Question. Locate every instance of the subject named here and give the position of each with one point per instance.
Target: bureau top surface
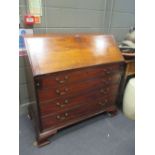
(59, 52)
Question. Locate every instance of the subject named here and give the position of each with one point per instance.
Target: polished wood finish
(88, 108)
(130, 69)
(69, 77)
(65, 103)
(45, 94)
(130, 64)
(63, 52)
(75, 77)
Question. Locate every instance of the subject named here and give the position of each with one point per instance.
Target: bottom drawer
(62, 118)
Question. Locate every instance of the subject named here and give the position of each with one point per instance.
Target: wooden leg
(112, 111)
(42, 138)
(41, 142)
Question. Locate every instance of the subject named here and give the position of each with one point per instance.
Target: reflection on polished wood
(53, 53)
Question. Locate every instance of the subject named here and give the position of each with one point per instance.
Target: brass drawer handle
(66, 101)
(62, 105)
(62, 81)
(103, 103)
(62, 117)
(57, 91)
(57, 79)
(107, 71)
(63, 92)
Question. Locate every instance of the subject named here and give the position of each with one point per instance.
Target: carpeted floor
(101, 135)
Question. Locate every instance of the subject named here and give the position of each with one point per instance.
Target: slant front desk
(75, 77)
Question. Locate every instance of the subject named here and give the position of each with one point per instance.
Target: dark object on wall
(75, 77)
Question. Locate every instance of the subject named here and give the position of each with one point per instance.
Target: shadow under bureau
(76, 76)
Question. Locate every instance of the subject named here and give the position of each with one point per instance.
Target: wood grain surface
(53, 53)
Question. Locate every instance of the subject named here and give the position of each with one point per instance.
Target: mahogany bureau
(76, 76)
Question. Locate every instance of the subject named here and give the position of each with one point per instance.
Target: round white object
(129, 99)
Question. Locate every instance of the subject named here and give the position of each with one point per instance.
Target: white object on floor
(129, 43)
(129, 99)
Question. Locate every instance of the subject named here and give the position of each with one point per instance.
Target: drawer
(45, 94)
(73, 115)
(69, 77)
(65, 103)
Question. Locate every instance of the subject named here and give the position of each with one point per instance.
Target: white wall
(105, 16)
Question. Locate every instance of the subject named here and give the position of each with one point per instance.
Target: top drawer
(72, 76)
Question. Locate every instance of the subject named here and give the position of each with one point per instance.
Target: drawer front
(65, 103)
(52, 93)
(77, 113)
(69, 77)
